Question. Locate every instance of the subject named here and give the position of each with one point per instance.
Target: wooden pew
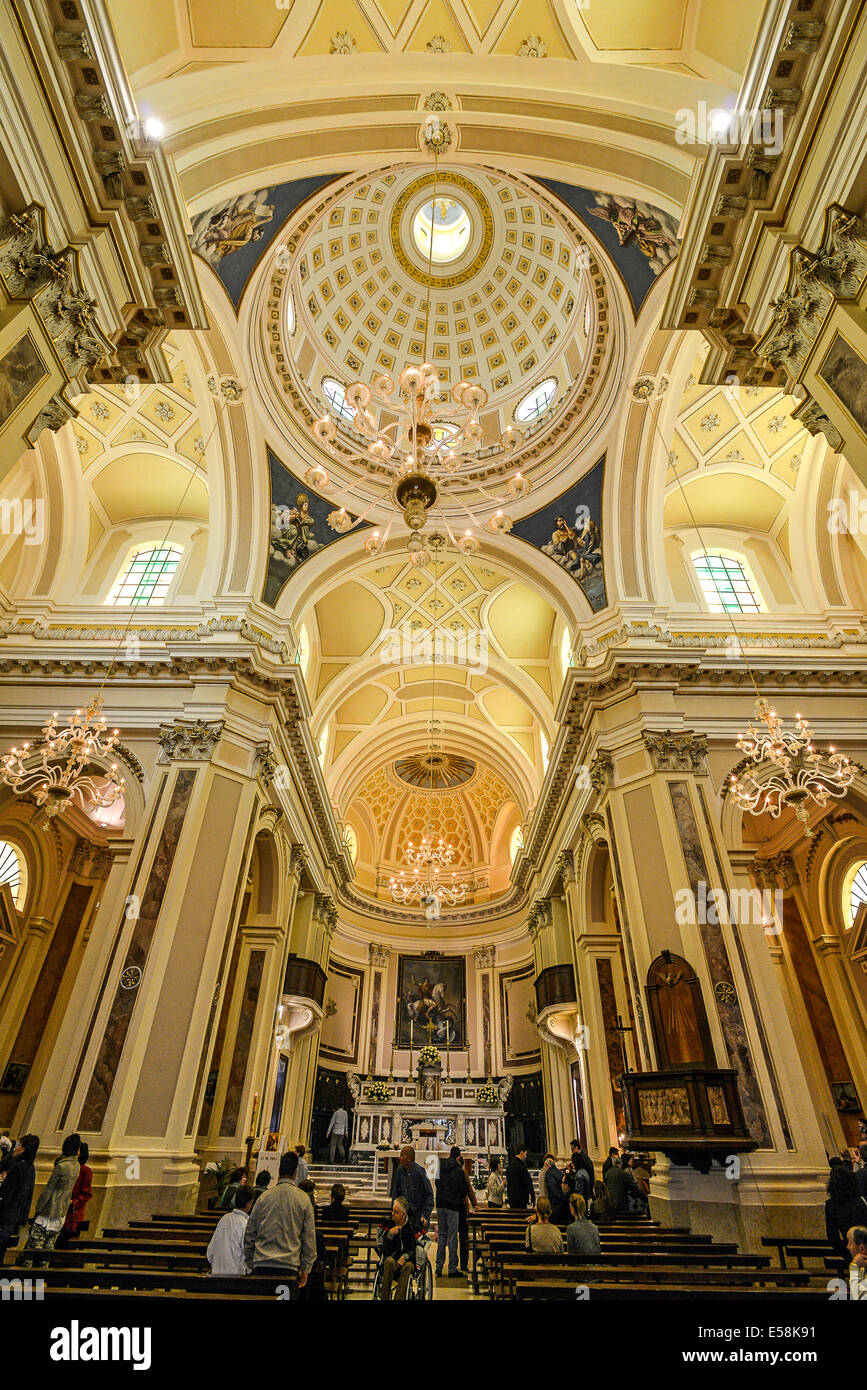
(564, 1291)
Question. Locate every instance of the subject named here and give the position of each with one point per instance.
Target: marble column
(125, 1068)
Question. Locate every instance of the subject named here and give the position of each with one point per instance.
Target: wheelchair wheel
(424, 1284)
(377, 1283)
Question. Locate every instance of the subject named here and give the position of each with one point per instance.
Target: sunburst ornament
(435, 770)
(801, 773)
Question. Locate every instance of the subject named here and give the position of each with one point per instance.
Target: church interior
(433, 572)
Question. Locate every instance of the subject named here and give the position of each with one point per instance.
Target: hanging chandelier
(801, 773)
(55, 769)
(429, 859)
(415, 435)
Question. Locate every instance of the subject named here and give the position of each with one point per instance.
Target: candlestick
(391, 1065)
(254, 1114)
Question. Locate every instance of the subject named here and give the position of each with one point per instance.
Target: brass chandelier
(800, 775)
(426, 438)
(55, 769)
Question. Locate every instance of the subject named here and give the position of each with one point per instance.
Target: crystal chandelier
(55, 769)
(801, 773)
(426, 438)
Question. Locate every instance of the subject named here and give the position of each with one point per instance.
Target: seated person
(314, 1289)
(225, 1253)
(396, 1243)
(541, 1235)
(582, 1237)
(338, 1209)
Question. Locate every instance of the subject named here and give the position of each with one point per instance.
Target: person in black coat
(16, 1191)
(519, 1184)
(581, 1159)
(844, 1208)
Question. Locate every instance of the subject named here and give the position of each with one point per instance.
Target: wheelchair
(421, 1283)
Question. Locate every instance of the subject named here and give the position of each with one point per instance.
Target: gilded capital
(189, 740)
(684, 752)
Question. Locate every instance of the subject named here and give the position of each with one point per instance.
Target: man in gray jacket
(53, 1202)
(280, 1237)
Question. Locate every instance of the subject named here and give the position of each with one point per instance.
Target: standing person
(613, 1157)
(338, 1128)
(81, 1195)
(227, 1201)
(861, 1173)
(547, 1161)
(541, 1235)
(396, 1243)
(470, 1204)
(16, 1191)
(843, 1209)
(496, 1188)
(582, 1237)
(624, 1195)
(557, 1192)
(53, 1202)
(302, 1172)
(410, 1180)
(581, 1159)
(225, 1253)
(519, 1184)
(451, 1201)
(641, 1171)
(856, 1244)
(280, 1235)
(263, 1182)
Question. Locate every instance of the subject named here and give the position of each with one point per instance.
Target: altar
(459, 1114)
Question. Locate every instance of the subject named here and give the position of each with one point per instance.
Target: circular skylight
(451, 229)
(855, 891)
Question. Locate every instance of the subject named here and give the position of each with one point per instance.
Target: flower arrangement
(429, 1056)
(488, 1095)
(383, 1146)
(378, 1090)
(221, 1173)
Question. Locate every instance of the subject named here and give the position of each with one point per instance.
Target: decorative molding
(438, 101)
(378, 956)
(297, 860)
(686, 752)
(485, 957)
(191, 740)
(539, 917)
(325, 911)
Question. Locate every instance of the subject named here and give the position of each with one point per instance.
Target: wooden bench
(515, 1272)
(799, 1248)
(564, 1291)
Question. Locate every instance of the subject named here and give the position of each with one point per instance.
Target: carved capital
(189, 740)
(485, 957)
(775, 871)
(539, 917)
(379, 956)
(266, 764)
(297, 860)
(566, 867)
(670, 752)
(601, 771)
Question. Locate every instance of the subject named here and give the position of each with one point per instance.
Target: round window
(448, 222)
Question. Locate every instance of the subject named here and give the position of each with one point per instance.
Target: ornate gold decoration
(802, 775)
(409, 194)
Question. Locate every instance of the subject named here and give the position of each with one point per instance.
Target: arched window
(13, 871)
(146, 577)
(335, 394)
(516, 842)
(545, 748)
(350, 839)
(854, 891)
(725, 583)
(322, 742)
(536, 402)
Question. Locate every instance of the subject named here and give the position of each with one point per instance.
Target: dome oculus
(447, 221)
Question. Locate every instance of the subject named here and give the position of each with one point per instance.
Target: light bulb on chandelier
(56, 769)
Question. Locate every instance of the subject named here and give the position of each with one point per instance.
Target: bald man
(410, 1181)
